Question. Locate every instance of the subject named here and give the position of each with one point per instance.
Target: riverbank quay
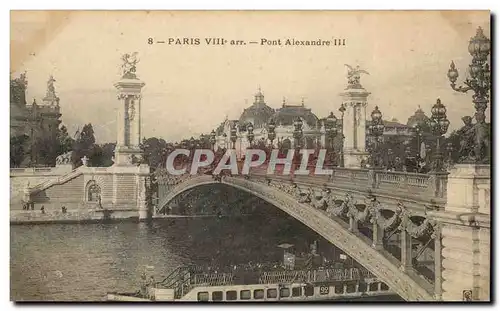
(24, 217)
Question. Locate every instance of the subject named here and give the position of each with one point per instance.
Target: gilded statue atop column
(129, 65)
(354, 76)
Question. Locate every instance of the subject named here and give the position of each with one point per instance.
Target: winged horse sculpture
(353, 74)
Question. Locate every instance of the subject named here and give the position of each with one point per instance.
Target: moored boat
(296, 279)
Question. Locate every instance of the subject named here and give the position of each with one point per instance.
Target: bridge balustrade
(415, 186)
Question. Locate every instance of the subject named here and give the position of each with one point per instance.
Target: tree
(65, 142)
(108, 151)
(83, 145)
(17, 150)
(45, 147)
(153, 150)
(102, 155)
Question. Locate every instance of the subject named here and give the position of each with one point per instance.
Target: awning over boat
(285, 245)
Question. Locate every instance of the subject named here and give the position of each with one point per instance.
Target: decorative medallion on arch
(93, 192)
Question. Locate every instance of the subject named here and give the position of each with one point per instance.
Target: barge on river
(284, 283)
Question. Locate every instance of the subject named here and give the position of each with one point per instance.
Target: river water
(84, 261)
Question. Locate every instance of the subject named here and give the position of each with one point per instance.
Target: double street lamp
(439, 126)
(331, 129)
(418, 134)
(212, 139)
(376, 130)
(297, 133)
(342, 110)
(271, 134)
(250, 134)
(192, 144)
(233, 137)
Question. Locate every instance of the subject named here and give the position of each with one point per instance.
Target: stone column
(129, 120)
(354, 99)
(465, 231)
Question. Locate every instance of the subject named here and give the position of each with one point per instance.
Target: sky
(191, 88)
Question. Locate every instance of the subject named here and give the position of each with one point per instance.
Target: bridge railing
(415, 185)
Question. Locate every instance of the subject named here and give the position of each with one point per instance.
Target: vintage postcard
(250, 156)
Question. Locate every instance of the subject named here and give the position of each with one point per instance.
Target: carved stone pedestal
(353, 158)
(129, 120)
(354, 99)
(130, 188)
(465, 224)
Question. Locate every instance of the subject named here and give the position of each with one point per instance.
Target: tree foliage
(84, 145)
(18, 150)
(154, 151)
(65, 142)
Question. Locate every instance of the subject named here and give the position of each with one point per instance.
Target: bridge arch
(387, 270)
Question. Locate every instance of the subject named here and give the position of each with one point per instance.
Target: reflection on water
(83, 262)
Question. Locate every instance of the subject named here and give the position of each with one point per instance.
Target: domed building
(284, 119)
(418, 118)
(287, 114)
(259, 115)
(252, 128)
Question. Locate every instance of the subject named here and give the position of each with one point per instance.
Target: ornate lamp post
(479, 82)
(212, 139)
(233, 135)
(250, 134)
(390, 159)
(271, 134)
(342, 110)
(439, 126)
(331, 128)
(418, 134)
(297, 133)
(376, 130)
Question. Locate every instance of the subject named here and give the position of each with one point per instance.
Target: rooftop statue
(129, 65)
(353, 75)
(51, 90)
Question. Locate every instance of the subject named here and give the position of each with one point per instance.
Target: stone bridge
(375, 217)
(405, 228)
(390, 222)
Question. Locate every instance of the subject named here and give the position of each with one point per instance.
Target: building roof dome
(418, 118)
(259, 113)
(288, 113)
